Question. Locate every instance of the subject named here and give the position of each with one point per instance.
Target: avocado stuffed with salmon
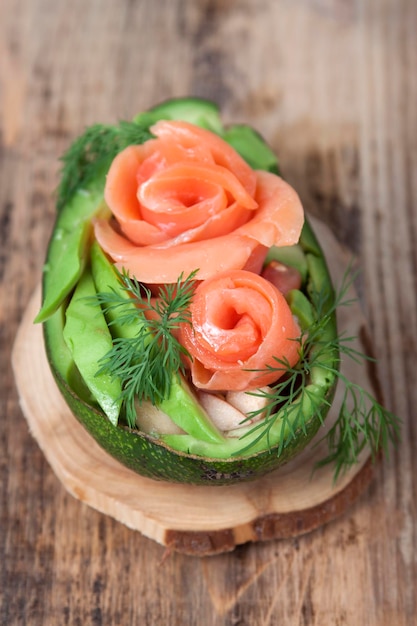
(189, 316)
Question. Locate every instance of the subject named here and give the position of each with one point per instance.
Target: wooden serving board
(191, 519)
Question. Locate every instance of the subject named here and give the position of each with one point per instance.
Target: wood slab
(191, 519)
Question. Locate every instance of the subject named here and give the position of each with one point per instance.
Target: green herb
(146, 362)
(361, 421)
(92, 152)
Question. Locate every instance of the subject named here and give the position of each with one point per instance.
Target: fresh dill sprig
(147, 359)
(361, 422)
(92, 152)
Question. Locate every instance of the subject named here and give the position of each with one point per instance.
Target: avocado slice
(197, 111)
(301, 307)
(67, 255)
(88, 339)
(252, 147)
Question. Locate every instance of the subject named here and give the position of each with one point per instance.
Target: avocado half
(143, 453)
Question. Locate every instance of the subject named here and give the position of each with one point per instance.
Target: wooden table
(333, 85)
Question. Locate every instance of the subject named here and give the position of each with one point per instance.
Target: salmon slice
(155, 265)
(240, 324)
(189, 136)
(176, 183)
(280, 217)
(186, 195)
(277, 221)
(121, 197)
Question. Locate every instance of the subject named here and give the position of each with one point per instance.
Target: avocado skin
(151, 457)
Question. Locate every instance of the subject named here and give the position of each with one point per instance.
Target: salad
(189, 316)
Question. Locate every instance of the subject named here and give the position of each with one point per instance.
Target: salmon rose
(240, 325)
(187, 200)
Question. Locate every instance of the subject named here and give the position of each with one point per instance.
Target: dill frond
(361, 422)
(147, 361)
(90, 155)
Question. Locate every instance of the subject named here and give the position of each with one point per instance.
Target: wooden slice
(191, 519)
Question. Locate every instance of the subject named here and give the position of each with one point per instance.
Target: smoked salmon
(187, 200)
(241, 327)
(277, 221)
(176, 183)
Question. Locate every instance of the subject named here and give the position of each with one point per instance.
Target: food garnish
(180, 248)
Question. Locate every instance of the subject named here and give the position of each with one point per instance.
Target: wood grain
(333, 85)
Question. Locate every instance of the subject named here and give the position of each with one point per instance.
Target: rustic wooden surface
(333, 85)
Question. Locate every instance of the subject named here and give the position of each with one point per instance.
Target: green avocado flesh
(193, 110)
(201, 454)
(251, 147)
